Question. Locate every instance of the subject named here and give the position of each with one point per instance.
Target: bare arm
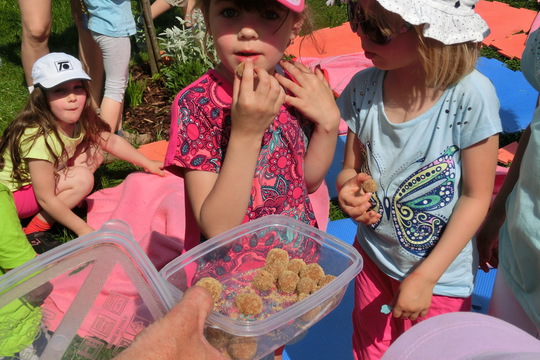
(313, 97)
(349, 181)
(42, 173)
(488, 235)
(220, 201)
(122, 149)
(479, 162)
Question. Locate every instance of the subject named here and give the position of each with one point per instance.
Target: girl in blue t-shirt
(423, 123)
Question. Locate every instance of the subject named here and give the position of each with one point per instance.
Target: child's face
(262, 35)
(399, 50)
(67, 103)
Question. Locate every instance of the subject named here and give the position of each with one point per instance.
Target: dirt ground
(153, 115)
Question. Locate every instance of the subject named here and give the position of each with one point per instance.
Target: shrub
(191, 51)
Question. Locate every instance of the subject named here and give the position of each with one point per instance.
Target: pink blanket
(155, 209)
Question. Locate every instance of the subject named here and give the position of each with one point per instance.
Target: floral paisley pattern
(201, 134)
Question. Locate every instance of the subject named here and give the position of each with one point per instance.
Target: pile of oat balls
(287, 275)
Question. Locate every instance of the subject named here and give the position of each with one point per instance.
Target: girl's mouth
(243, 56)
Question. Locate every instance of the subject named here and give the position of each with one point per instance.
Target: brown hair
(252, 5)
(37, 114)
(444, 65)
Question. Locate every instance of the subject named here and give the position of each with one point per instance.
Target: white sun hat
(448, 21)
(56, 68)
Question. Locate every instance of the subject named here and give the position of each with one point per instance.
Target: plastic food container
(234, 256)
(86, 299)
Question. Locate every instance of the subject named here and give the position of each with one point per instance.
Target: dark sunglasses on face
(356, 17)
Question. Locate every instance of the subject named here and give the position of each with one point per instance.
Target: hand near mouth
(257, 98)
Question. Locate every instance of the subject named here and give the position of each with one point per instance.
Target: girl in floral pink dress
(254, 144)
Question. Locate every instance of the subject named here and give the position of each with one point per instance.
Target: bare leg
(188, 10)
(72, 187)
(89, 54)
(159, 7)
(111, 112)
(36, 18)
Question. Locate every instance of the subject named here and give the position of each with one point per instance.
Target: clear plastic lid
(88, 298)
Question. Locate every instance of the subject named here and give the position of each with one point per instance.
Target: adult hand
(179, 334)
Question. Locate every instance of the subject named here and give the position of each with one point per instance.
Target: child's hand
(313, 96)
(413, 298)
(257, 98)
(487, 243)
(155, 167)
(358, 207)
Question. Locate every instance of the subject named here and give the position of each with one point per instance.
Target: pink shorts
(373, 331)
(26, 202)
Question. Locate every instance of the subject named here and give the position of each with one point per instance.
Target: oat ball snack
(313, 271)
(295, 265)
(275, 268)
(242, 348)
(306, 285)
(367, 186)
(277, 254)
(301, 296)
(263, 280)
(325, 280)
(212, 285)
(248, 303)
(287, 281)
(240, 69)
(218, 338)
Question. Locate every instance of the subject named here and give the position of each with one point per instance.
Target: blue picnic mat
(516, 95)
(330, 338)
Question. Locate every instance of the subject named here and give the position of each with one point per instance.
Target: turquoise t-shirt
(519, 237)
(111, 18)
(417, 165)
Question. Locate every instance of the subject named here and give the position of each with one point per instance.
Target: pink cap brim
(294, 5)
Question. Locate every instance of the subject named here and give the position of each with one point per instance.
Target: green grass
(13, 92)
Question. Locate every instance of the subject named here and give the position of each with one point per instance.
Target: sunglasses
(357, 18)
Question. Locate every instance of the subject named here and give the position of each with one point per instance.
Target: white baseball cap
(294, 5)
(56, 68)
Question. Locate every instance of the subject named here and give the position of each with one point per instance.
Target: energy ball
(248, 303)
(369, 186)
(277, 254)
(243, 348)
(306, 286)
(301, 296)
(275, 267)
(287, 281)
(263, 280)
(240, 69)
(217, 338)
(295, 265)
(325, 280)
(313, 271)
(212, 285)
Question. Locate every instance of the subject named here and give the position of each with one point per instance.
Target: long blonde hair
(37, 114)
(444, 65)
